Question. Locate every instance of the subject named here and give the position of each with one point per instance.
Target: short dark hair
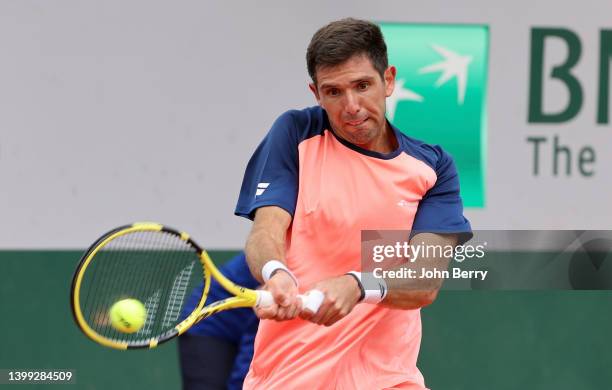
(340, 40)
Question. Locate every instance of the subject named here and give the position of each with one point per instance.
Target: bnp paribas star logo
(440, 94)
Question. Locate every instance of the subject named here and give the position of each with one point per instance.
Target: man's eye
(333, 92)
(363, 86)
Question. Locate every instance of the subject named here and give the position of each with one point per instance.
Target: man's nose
(352, 105)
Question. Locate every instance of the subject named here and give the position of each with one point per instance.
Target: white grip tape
(311, 301)
(264, 298)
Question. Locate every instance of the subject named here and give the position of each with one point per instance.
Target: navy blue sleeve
(271, 176)
(231, 324)
(441, 209)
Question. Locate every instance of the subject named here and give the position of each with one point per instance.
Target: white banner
(113, 112)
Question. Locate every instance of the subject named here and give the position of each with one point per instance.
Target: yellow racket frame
(243, 297)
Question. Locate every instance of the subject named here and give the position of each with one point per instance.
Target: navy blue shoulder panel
(441, 208)
(308, 122)
(429, 154)
(272, 174)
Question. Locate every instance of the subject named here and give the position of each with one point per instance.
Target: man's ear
(315, 91)
(389, 77)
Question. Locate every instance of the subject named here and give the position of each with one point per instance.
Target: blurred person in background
(216, 352)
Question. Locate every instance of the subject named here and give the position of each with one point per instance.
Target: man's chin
(356, 135)
(362, 142)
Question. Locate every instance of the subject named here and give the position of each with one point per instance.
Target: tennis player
(321, 176)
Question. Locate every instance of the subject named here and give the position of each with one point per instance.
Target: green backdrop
(471, 339)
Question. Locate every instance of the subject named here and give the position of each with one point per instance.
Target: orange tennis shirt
(334, 190)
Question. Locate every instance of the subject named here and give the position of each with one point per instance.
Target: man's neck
(386, 143)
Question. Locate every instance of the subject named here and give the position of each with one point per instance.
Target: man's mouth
(357, 122)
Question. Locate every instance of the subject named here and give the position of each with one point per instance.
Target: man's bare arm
(267, 239)
(416, 293)
(342, 292)
(266, 242)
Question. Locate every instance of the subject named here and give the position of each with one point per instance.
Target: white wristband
(273, 265)
(372, 294)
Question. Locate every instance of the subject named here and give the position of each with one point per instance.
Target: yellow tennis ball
(128, 315)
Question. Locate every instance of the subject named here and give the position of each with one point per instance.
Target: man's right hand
(287, 305)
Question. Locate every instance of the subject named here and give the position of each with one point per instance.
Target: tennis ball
(127, 315)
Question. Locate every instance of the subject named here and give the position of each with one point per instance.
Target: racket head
(155, 264)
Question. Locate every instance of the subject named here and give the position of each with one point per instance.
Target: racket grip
(310, 301)
(264, 298)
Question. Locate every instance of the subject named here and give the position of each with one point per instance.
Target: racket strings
(134, 243)
(171, 268)
(157, 268)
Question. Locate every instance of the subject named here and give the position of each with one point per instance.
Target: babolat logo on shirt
(261, 187)
(440, 95)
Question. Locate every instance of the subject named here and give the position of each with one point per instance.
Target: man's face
(353, 95)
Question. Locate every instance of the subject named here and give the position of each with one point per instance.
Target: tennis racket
(160, 267)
